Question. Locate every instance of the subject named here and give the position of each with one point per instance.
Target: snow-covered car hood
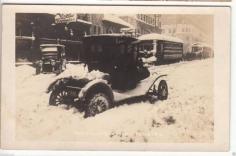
(80, 71)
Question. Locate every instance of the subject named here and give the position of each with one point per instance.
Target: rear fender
(159, 78)
(96, 85)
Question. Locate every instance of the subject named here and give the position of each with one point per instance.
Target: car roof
(201, 44)
(108, 35)
(115, 35)
(109, 38)
(52, 45)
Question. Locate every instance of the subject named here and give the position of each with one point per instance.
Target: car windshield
(147, 46)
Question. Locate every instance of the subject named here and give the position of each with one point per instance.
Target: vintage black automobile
(52, 59)
(199, 51)
(125, 77)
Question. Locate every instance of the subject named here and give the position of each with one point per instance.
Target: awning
(117, 20)
(132, 30)
(79, 23)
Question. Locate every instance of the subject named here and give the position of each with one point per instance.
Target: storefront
(30, 27)
(72, 28)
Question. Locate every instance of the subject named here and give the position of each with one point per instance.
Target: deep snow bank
(187, 115)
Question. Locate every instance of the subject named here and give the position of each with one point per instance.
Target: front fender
(95, 85)
(157, 80)
(68, 82)
(57, 83)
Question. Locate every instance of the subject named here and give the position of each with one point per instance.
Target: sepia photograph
(106, 79)
(93, 62)
(182, 0)
(194, 0)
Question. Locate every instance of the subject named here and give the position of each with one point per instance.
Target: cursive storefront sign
(65, 18)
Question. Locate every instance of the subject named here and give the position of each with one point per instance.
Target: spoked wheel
(162, 90)
(97, 103)
(61, 96)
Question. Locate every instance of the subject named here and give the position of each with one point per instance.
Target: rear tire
(96, 103)
(162, 90)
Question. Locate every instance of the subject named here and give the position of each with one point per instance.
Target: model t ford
(52, 59)
(124, 76)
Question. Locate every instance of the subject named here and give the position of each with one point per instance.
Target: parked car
(124, 76)
(199, 51)
(52, 59)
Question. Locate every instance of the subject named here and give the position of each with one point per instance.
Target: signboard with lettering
(65, 18)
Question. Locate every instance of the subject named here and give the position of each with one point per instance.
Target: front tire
(60, 96)
(162, 90)
(97, 102)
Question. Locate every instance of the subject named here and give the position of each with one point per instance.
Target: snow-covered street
(186, 116)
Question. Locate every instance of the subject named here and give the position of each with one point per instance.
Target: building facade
(68, 29)
(187, 32)
(191, 29)
(29, 29)
(144, 23)
(78, 25)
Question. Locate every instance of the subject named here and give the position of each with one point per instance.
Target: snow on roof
(117, 20)
(155, 36)
(202, 44)
(46, 49)
(51, 45)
